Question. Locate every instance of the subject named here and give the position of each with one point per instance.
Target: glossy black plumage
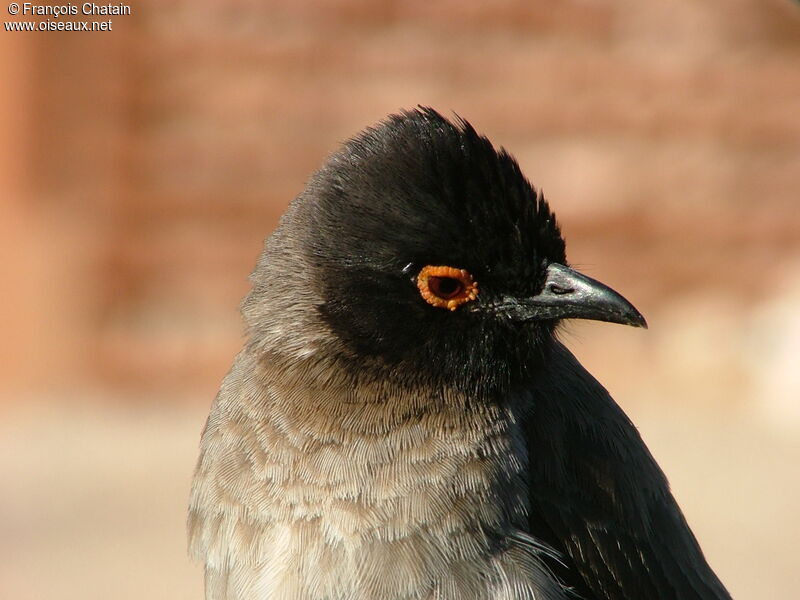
(600, 499)
(439, 193)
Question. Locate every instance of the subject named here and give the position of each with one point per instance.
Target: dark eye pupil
(445, 287)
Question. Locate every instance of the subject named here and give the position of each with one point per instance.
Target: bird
(403, 421)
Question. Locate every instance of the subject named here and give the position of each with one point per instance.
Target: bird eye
(446, 287)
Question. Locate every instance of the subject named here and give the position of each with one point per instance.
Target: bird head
(422, 252)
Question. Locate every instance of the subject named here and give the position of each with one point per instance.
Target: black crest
(421, 190)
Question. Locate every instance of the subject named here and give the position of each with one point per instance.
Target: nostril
(557, 289)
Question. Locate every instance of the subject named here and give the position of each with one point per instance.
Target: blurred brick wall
(146, 166)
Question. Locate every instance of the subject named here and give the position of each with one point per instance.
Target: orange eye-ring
(446, 287)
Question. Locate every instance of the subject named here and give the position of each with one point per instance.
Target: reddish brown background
(141, 169)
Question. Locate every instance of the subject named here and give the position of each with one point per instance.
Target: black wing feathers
(599, 498)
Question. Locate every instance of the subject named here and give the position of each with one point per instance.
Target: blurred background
(141, 169)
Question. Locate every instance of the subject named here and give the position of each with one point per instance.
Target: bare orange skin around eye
(467, 293)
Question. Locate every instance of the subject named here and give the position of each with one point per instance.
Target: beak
(568, 294)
